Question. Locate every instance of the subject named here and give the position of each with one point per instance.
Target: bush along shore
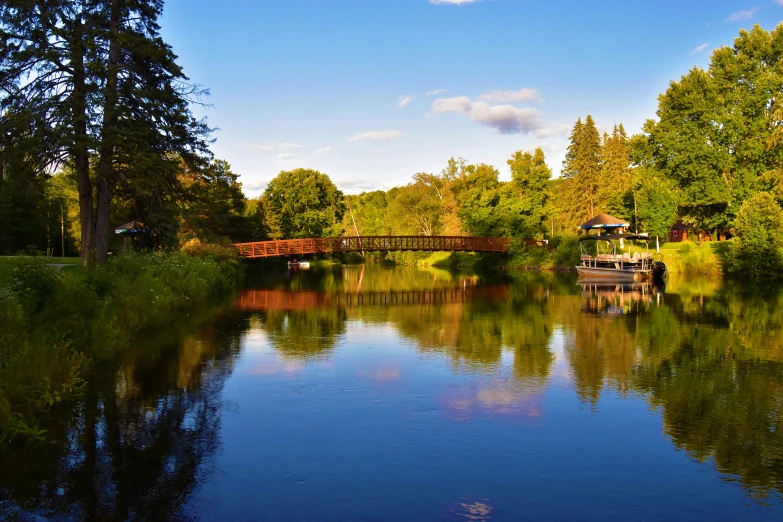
(55, 324)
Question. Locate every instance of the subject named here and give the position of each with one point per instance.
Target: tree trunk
(81, 158)
(106, 175)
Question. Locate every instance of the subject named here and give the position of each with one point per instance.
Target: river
(378, 393)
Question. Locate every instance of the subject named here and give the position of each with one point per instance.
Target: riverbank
(54, 325)
(709, 258)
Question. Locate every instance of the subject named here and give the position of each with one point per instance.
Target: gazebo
(604, 222)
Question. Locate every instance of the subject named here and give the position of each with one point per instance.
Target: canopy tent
(632, 237)
(603, 221)
(129, 229)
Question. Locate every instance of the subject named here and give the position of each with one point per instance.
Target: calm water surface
(372, 393)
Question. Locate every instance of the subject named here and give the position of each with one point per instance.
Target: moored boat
(609, 265)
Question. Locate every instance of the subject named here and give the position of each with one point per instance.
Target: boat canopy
(604, 221)
(607, 237)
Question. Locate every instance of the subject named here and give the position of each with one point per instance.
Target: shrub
(567, 251)
(34, 284)
(52, 327)
(757, 251)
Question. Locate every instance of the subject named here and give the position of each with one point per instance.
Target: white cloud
(438, 91)
(505, 118)
(324, 150)
(375, 135)
(703, 46)
(404, 100)
(453, 2)
(554, 130)
(285, 156)
(269, 146)
(742, 15)
(522, 95)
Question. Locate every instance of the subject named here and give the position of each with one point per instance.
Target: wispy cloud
(553, 130)
(522, 95)
(270, 146)
(704, 46)
(742, 15)
(324, 150)
(453, 2)
(438, 91)
(376, 135)
(404, 100)
(505, 118)
(285, 156)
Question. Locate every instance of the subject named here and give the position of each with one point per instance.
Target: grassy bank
(680, 258)
(688, 258)
(55, 324)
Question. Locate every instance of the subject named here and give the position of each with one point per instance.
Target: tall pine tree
(582, 169)
(97, 80)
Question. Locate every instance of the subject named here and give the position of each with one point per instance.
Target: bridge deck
(286, 247)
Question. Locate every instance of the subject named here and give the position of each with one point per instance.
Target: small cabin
(679, 232)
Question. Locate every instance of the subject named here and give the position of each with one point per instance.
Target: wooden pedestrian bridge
(328, 245)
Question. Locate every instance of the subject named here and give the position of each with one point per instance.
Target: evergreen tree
(616, 173)
(94, 78)
(582, 168)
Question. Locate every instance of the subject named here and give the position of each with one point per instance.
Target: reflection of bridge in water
(285, 300)
(287, 247)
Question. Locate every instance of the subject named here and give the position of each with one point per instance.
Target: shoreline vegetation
(59, 324)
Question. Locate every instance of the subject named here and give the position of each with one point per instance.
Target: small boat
(609, 265)
(299, 264)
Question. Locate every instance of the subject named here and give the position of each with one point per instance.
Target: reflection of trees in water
(304, 334)
(713, 364)
(139, 441)
(721, 404)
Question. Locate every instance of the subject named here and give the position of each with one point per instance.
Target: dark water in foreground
(403, 394)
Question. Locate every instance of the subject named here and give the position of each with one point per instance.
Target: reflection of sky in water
(379, 425)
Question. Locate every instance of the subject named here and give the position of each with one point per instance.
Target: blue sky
(371, 92)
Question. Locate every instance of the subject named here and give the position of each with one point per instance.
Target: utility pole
(62, 232)
(635, 216)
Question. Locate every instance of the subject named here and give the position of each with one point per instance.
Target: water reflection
(432, 386)
(137, 444)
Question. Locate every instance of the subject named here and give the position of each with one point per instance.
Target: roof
(604, 221)
(679, 225)
(615, 236)
(130, 225)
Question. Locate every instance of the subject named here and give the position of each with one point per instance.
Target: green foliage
(529, 201)
(303, 203)
(657, 202)
(34, 283)
(53, 327)
(718, 134)
(757, 251)
(691, 258)
(478, 196)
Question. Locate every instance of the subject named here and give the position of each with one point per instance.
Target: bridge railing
(289, 247)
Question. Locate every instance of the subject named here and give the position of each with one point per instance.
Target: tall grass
(691, 258)
(54, 324)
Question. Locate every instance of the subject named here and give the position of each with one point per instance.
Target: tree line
(96, 130)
